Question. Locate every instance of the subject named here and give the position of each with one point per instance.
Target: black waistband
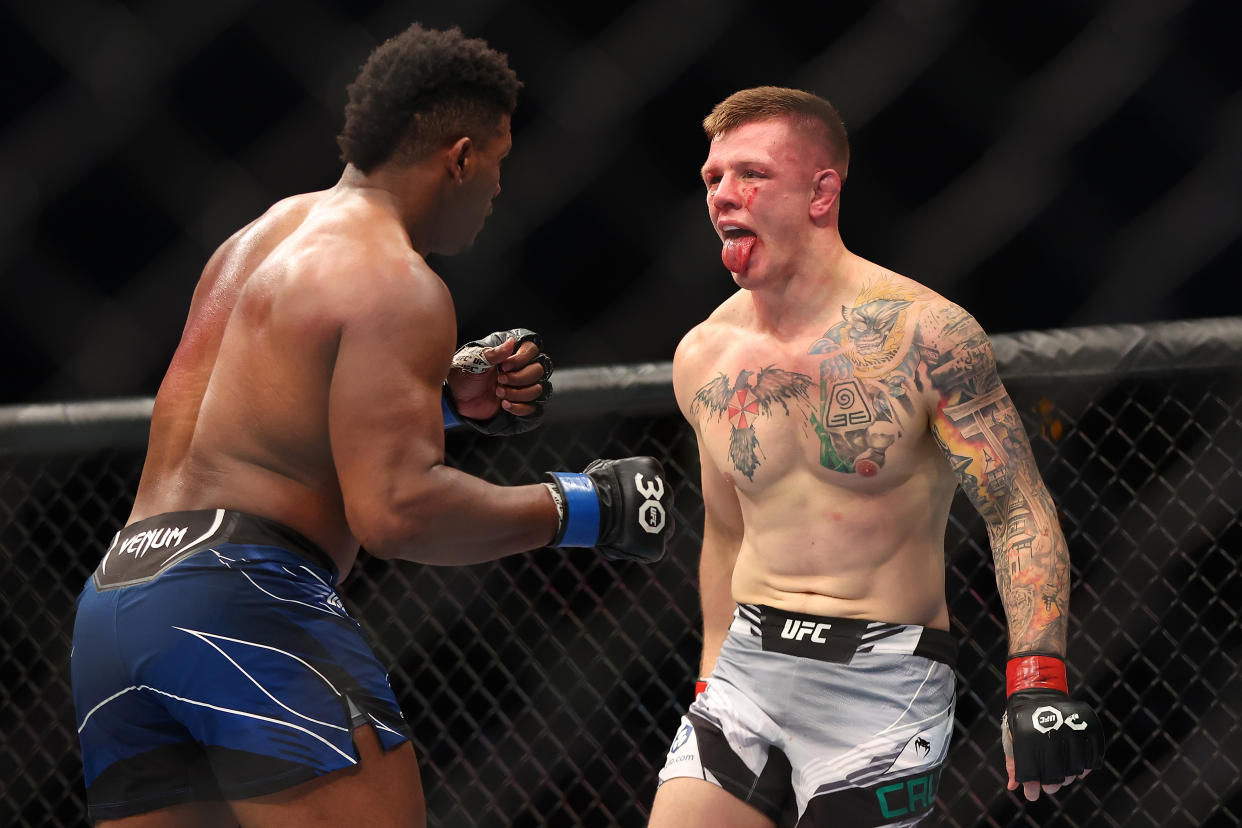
(837, 640)
(148, 547)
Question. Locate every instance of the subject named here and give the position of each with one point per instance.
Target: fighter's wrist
(1035, 671)
(578, 508)
(447, 411)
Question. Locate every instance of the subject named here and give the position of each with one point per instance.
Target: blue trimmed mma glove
(1050, 738)
(623, 508)
(470, 358)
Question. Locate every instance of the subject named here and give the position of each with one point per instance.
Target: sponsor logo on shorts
(834, 640)
(682, 737)
(798, 630)
(141, 542)
(908, 797)
(921, 746)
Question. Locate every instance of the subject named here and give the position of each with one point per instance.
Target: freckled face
(759, 189)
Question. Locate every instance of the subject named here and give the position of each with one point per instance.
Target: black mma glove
(621, 507)
(469, 358)
(1050, 736)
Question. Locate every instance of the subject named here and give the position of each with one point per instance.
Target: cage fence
(544, 688)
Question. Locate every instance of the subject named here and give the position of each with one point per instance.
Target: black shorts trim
(838, 640)
(148, 548)
(769, 792)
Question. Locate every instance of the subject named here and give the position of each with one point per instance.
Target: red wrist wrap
(699, 687)
(1031, 672)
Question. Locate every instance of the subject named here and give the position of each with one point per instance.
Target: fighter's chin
(460, 245)
(449, 249)
(747, 278)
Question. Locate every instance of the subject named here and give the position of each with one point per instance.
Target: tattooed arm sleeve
(977, 427)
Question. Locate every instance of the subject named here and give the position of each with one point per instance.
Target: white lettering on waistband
(211, 530)
(141, 542)
(798, 630)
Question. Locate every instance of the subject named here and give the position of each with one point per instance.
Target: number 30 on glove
(1049, 738)
(621, 507)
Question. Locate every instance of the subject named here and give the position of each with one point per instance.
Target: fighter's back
(241, 418)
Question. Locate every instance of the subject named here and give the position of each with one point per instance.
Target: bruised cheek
(748, 197)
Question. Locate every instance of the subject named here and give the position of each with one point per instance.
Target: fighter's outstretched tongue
(736, 253)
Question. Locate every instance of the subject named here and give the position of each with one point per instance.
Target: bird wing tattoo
(744, 401)
(714, 397)
(776, 385)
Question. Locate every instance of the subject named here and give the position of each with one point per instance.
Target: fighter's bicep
(972, 419)
(384, 411)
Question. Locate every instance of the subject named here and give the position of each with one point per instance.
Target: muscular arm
(979, 430)
(387, 438)
(722, 537)
(722, 524)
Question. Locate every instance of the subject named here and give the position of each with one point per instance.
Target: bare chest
(853, 420)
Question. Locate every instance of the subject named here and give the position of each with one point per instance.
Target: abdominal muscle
(844, 554)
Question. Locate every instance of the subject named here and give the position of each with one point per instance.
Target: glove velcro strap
(581, 510)
(1035, 672)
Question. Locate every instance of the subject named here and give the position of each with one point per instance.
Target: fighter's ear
(826, 190)
(458, 156)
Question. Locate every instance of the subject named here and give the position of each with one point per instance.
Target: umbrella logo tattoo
(744, 401)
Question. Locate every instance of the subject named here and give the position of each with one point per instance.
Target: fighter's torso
(241, 418)
(843, 491)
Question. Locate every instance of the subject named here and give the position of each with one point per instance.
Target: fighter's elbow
(390, 529)
(379, 534)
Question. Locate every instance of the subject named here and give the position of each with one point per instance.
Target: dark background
(1042, 164)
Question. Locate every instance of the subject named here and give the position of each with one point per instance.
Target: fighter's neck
(409, 193)
(787, 307)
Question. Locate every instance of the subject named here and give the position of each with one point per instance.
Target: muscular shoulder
(944, 325)
(701, 346)
(354, 263)
(885, 299)
(705, 339)
(364, 283)
(955, 351)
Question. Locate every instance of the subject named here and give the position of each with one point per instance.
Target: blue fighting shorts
(212, 659)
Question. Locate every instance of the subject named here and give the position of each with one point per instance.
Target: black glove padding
(469, 358)
(1053, 736)
(623, 508)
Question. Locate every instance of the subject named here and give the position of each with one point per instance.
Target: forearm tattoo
(981, 434)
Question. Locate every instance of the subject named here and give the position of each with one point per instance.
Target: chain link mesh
(543, 689)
